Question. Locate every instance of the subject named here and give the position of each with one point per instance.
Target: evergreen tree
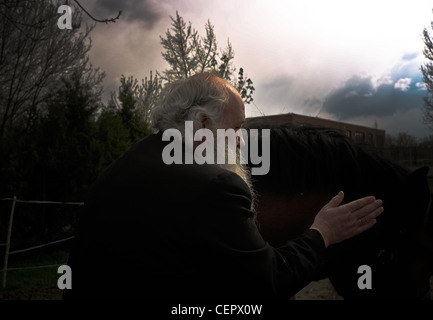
(113, 138)
(187, 54)
(427, 71)
(67, 146)
(134, 103)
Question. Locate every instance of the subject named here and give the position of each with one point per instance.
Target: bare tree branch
(33, 60)
(98, 20)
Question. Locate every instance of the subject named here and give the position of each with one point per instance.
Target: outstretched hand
(337, 223)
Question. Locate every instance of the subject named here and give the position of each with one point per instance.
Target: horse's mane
(310, 158)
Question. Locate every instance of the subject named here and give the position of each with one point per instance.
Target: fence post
(8, 242)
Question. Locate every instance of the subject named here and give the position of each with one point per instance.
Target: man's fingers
(377, 210)
(336, 201)
(371, 215)
(358, 204)
(370, 210)
(366, 226)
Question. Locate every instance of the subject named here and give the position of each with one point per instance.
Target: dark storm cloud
(145, 12)
(401, 91)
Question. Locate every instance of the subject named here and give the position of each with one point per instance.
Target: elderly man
(187, 231)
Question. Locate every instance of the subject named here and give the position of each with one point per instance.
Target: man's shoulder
(206, 175)
(229, 178)
(143, 163)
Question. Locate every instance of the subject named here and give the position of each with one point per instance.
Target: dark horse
(308, 166)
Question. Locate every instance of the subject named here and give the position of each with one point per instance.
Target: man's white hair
(202, 96)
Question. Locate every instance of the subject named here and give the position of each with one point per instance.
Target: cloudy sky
(352, 61)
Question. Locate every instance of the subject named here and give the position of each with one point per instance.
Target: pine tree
(187, 54)
(427, 71)
(134, 103)
(66, 144)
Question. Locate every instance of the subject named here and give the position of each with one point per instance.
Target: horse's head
(397, 249)
(308, 167)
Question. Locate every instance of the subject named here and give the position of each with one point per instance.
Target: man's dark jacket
(151, 230)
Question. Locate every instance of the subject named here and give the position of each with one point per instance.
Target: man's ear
(205, 121)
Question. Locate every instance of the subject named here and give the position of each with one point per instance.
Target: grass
(35, 277)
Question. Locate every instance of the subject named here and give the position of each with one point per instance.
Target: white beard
(232, 161)
(240, 169)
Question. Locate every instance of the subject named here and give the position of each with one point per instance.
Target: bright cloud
(403, 84)
(421, 86)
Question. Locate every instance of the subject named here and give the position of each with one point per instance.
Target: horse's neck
(281, 218)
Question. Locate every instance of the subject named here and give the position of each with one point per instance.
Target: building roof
(302, 119)
(360, 133)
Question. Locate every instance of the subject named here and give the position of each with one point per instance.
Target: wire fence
(8, 242)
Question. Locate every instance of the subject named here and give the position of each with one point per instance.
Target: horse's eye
(385, 256)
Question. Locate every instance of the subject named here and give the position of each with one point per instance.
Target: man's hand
(337, 223)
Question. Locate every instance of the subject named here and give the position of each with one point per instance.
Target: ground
(317, 290)
(33, 294)
(321, 290)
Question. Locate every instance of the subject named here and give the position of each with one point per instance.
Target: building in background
(372, 136)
